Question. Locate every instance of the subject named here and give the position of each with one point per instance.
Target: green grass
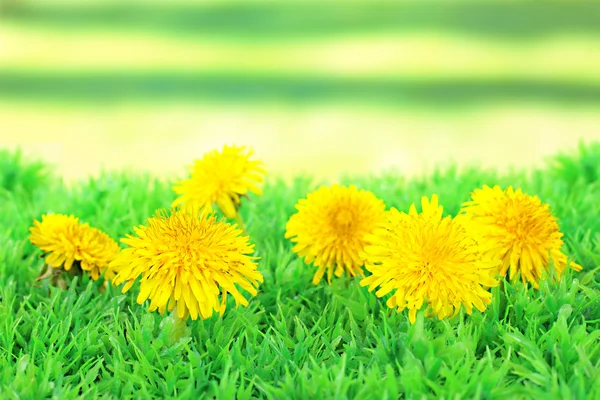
(296, 340)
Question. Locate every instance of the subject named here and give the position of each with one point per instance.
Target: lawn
(296, 340)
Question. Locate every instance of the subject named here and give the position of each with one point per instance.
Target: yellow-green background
(315, 87)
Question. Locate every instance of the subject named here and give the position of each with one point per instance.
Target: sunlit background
(319, 87)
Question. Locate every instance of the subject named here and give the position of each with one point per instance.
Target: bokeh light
(320, 88)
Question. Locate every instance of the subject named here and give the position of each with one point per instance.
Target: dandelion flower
(424, 258)
(68, 242)
(189, 261)
(330, 226)
(221, 178)
(517, 230)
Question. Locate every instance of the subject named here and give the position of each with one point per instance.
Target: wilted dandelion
(189, 261)
(70, 244)
(221, 178)
(330, 226)
(424, 258)
(517, 230)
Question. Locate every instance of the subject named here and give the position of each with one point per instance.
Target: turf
(296, 340)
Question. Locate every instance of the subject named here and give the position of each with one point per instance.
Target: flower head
(330, 226)
(187, 260)
(517, 230)
(67, 242)
(425, 258)
(221, 178)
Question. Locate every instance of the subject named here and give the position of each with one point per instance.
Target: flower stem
(240, 223)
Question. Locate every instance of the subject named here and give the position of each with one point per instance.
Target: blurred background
(318, 87)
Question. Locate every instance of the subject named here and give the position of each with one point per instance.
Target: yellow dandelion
(424, 258)
(330, 226)
(188, 260)
(221, 178)
(517, 230)
(68, 242)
